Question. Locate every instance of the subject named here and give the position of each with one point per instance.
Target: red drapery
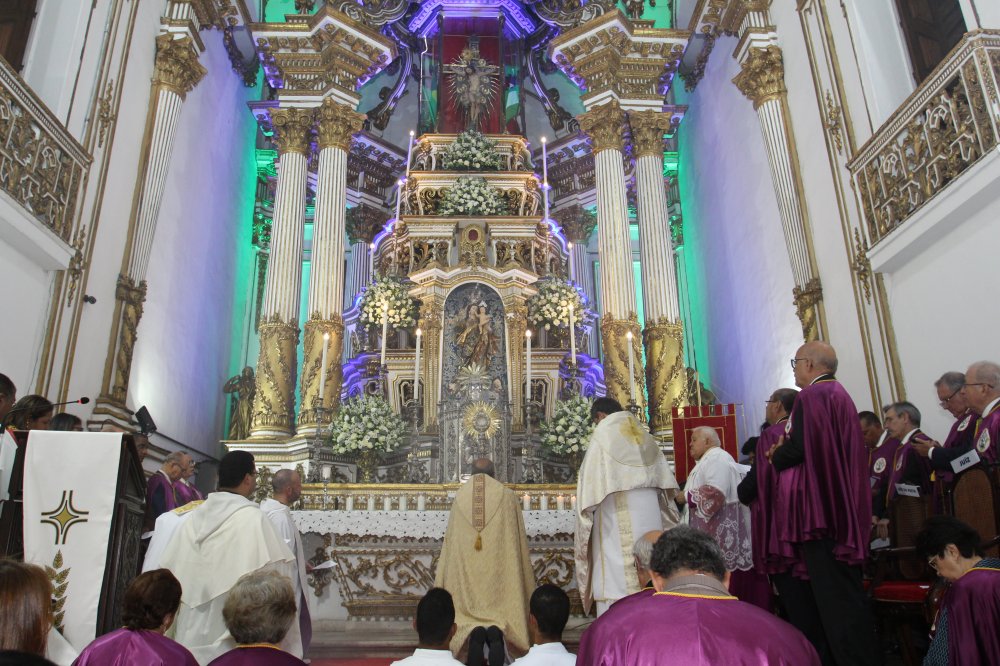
(686, 419)
(456, 37)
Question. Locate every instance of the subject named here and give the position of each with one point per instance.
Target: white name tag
(968, 460)
(907, 490)
(880, 543)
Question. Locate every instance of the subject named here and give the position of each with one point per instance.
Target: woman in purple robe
(966, 624)
(151, 601)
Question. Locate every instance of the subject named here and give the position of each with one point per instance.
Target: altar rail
(41, 164)
(422, 496)
(942, 129)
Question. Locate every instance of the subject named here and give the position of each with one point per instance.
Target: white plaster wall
(200, 261)
(743, 320)
(26, 293)
(981, 13)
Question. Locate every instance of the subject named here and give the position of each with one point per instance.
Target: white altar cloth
(418, 524)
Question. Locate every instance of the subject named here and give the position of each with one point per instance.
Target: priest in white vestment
(286, 486)
(484, 561)
(625, 489)
(224, 538)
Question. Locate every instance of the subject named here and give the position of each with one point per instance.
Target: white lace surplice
(715, 509)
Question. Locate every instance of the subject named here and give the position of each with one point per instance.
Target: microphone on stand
(79, 401)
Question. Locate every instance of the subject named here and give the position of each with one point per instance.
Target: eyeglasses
(944, 402)
(795, 361)
(768, 402)
(932, 561)
(967, 385)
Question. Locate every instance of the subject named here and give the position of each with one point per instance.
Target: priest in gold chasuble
(484, 561)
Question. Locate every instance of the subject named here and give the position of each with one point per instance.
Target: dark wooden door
(931, 28)
(15, 25)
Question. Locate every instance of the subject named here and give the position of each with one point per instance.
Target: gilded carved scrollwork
(336, 124)
(808, 300)
(577, 222)
(665, 371)
(177, 67)
(131, 296)
(517, 324)
(292, 129)
(614, 339)
(275, 399)
(603, 124)
(762, 75)
(648, 128)
(312, 358)
(861, 266)
(363, 222)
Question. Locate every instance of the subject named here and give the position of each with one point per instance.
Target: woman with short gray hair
(258, 613)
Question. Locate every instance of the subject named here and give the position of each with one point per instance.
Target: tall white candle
(560, 503)
(371, 262)
(527, 370)
(322, 370)
(572, 269)
(409, 154)
(572, 336)
(697, 387)
(421, 502)
(385, 329)
(545, 160)
(526, 502)
(631, 367)
(399, 199)
(416, 371)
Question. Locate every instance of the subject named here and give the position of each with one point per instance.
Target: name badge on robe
(964, 462)
(907, 490)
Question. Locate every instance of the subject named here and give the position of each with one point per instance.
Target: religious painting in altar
(474, 339)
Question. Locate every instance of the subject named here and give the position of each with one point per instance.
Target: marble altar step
(372, 643)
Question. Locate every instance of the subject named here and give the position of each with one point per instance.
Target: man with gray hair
(286, 485)
(160, 495)
(982, 392)
(259, 611)
(690, 578)
(910, 474)
(959, 440)
(642, 551)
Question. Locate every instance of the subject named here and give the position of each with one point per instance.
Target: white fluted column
(578, 225)
(274, 402)
(363, 223)
(604, 125)
(337, 124)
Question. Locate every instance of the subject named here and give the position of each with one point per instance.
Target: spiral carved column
(618, 306)
(336, 125)
(664, 334)
(274, 403)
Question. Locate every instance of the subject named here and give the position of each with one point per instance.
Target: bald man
(823, 442)
(982, 393)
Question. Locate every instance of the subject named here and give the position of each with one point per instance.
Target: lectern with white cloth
(82, 517)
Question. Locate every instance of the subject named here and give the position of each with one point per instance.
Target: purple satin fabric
(956, 437)
(158, 483)
(668, 629)
(256, 656)
(882, 457)
(126, 647)
(834, 485)
(186, 493)
(973, 606)
(778, 494)
(990, 423)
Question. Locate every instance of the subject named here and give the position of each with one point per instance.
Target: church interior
(374, 241)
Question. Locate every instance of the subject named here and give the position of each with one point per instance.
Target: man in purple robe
(833, 495)
(160, 496)
(966, 624)
(183, 489)
(959, 440)
(909, 470)
(982, 392)
(882, 447)
(705, 624)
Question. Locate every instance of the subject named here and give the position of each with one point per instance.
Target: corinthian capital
(363, 222)
(577, 223)
(177, 66)
(762, 75)
(603, 124)
(336, 124)
(648, 128)
(291, 129)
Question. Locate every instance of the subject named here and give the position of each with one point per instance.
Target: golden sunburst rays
(481, 419)
(473, 81)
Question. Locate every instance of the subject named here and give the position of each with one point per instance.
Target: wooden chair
(975, 500)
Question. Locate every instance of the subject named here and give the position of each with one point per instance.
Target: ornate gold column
(762, 80)
(604, 125)
(177, 71)
(517, 324)
(431, 324)
(336, 124)
(664, 334)
(279, 317)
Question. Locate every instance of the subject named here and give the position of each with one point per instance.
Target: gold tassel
(479, 541)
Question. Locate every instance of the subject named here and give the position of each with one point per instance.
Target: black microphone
(79, 401)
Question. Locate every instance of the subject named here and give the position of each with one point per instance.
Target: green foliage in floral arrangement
(550, 306)
(389, 291)
(367, 423)
(471, 151)
(472, 196)
(568, 432)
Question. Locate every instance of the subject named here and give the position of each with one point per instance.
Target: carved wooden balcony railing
(949, 123)
(41, 165)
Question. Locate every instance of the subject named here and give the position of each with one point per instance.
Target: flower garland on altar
(391, 291)
(471, 151)
(472, 196)
(550, 306)
(367, 424)
(568, 432)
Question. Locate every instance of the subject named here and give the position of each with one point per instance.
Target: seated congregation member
(910, 472)
(484, 563)
(8, 396)
(967, 622)
(32, 412)
(150, 604)
(547, 617)
(705, 624)
(642, 553)
(435, 625)
(259, 611)
(25, 607)
(66, 422)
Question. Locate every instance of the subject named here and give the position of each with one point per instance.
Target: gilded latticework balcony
(41, 165)
(949, 123)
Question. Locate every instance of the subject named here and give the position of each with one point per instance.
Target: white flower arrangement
(550, 306)
(568, 432)
(367, 424)
(391, 291)
(471, 151)
(472, 196)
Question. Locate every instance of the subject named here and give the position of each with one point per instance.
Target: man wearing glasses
(982, 392)
(959, 441)
(824, 445)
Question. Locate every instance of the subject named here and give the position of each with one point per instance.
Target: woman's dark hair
(149, 599)
(65, 421)
(26, 603)
(29, 408)
(939, 531)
